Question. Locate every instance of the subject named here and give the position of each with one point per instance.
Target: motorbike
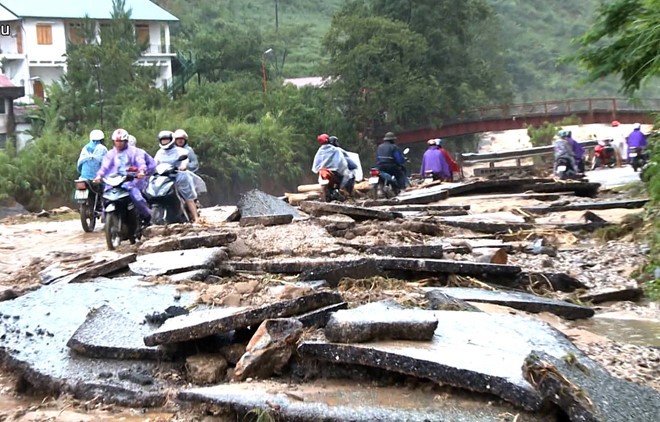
(638, 158)
(88, 196)
(330, 182)
(122, 221)
(564, 169)
(384, 184)
(167, 205)
(604, 156)
(428, 176)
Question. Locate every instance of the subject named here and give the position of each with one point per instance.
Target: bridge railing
(492, 157)
(558, 107)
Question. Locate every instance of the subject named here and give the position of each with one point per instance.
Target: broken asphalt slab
(190, 241)
(357, 213)
(346, 400)
(379, 321)
(471, 350)
(517, 300)
(632, 294)
(204, 323)
(584, 206)
(319, 317)
(407, 251)
(79, 268)
(171, 262)
(256, 203)
(333, 272)
(35, 328)
(587, 392)
(107, 333)
(266, 220)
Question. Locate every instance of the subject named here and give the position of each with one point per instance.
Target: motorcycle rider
(578, 151)
(453, 165)
(169, 153)
(619, 143)
(118, 161)
(148, 159)
(390, 159)
(91, 155)
(563, 149)
(636, 139)
(181, 140)
(352, 166)
(433, 160)
(330, 157)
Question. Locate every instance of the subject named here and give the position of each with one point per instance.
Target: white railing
(158, 49)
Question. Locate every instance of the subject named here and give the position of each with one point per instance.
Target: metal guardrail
(515, 154)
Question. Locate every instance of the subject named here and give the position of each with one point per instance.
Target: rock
(380, 321)
(7, 293)
(233, 352)
(257, 203)
(439, 301)
(206, 369)
(491, 255)
(269, 349)
(587, 392)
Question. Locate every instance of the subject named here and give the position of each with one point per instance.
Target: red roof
(5, 82)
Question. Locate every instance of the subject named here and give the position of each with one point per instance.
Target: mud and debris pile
(262, 316)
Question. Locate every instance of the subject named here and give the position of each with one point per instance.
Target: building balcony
(158, 50)
(11, 54)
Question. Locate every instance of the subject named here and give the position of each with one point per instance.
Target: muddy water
(640, 332)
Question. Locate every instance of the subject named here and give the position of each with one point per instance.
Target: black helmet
(334, 141)
(389, 136)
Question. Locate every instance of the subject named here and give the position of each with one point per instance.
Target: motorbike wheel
(326, 194)
(598, 162)
(373, 192)
(87, 218)
(112, 231)
(157, 215)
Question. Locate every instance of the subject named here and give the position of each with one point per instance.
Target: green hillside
(537, 36)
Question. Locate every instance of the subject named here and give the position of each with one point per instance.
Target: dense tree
(624, 40)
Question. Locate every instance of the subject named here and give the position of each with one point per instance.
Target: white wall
(47, 74)
(22, 137)
(8, 44)
(37, 52)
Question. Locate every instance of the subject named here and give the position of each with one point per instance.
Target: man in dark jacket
(390, 159)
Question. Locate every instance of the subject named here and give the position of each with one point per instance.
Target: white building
(34, 35)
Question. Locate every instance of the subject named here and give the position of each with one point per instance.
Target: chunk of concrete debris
(587, 392)
(269, 349)
(517, 300)
(632, 294)
(257, 203)
(194, 275)
(471, 350)
(73, 270)
(333, 272)
(408, 251)
(207, 240)
(108, 334)
(36, 327)
(357, 213)
(346, 400)
(205, 323)
(206, 369)
(171, 262)
(439, 301)
(491, 255)
(319, 317)
(266, 220)
(380, 321)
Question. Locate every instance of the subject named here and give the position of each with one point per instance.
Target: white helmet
(131, 140)
(637, 126)
(180, 133)
(166, 134)
(96, 135)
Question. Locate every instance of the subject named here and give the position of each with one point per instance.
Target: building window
(142, 34)
(3, 141)
(75, 33)
(44, 34)
(3, 109)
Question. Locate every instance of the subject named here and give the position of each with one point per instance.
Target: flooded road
(641, 332)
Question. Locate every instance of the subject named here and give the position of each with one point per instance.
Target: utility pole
(277, 18)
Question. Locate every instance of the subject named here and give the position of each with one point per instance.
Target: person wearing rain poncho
(330, 157)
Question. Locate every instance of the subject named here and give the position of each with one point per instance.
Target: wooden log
(297, 198)
(309, 188)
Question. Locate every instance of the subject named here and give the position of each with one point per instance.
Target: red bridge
(518, 116)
